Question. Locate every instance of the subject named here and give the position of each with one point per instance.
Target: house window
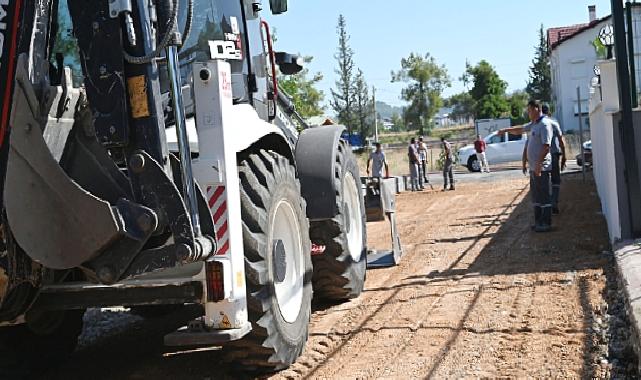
(585, 107)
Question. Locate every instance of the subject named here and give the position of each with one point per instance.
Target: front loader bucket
(54, 220)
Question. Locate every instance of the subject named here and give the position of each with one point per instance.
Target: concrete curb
(628, 265)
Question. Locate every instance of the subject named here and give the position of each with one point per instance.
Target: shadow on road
(576, 243)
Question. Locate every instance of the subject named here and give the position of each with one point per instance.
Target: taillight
(215, 281)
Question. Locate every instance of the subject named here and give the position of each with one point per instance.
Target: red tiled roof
(557, 36)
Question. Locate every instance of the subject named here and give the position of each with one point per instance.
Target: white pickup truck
(500, 148)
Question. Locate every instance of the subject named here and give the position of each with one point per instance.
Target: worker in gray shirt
(558, 158)
(378, 160)
(536, 155)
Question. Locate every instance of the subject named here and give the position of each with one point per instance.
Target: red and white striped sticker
(217, 198)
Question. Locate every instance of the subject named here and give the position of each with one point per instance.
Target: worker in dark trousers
(412, 157)
(537, 156)
(448, 164)
(558, 158)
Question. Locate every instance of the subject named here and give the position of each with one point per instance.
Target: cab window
(516, 137)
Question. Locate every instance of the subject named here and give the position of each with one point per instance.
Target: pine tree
(343, 98)
(539, 85)
(362, 105)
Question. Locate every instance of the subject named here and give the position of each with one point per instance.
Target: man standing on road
(412, 156)
(448, 164)
(558, 158)
(479, 146)
(537, 155)
(378, 160)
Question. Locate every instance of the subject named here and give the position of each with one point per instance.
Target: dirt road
(477, 295)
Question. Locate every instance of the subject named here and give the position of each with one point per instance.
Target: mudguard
(315, 161)
(250, 130)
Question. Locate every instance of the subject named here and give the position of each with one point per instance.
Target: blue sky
(503, 32)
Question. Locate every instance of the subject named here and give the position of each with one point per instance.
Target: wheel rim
(353, 222)
(289, 292)
(476, 165)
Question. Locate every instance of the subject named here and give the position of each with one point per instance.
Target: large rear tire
(28, 350)
(277, 264)
(339, 273)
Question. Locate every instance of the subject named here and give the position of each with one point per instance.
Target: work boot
(452, 188)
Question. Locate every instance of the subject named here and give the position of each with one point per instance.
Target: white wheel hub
(354, 221)
(476, 165)
(289, 291)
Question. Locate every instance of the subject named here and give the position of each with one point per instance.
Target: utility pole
(375, 114)
(578, 97)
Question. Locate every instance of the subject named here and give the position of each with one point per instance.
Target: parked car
(587, 150)
(500, 148)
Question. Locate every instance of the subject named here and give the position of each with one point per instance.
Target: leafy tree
(363, 105)
(488, 91)
(600, 49)
(426, 81)
(518, 105)
(397, 123)
(303, 92)
(539, 85)
(463, 106)
(343, 98)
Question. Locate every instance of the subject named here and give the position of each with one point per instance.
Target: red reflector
(215, 281)
(318, 249)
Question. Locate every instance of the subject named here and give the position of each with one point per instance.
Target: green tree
(488, 91)
(518, 105)
(462, 104)
(426, 81)
(397, 123)
(303, 92)
(343, 98)
(539, 85)
(363, 105)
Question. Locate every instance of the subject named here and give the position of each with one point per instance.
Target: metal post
(578, 97)
(633, 74)
(626, 126)
(189, 188)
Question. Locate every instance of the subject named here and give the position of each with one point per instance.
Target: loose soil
(476, 295)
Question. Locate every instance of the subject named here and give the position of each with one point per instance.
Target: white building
(572, 60)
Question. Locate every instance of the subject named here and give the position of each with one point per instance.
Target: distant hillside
(386, 111)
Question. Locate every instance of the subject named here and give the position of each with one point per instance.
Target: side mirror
(278, 6)
(289, 64)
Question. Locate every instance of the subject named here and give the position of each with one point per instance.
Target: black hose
(188, 22)
(148, 58)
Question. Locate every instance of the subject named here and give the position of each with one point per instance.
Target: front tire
(277, 264)
(473, 164)
(339, 273)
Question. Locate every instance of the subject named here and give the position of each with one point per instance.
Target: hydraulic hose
(171, 23)
(188, 22)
